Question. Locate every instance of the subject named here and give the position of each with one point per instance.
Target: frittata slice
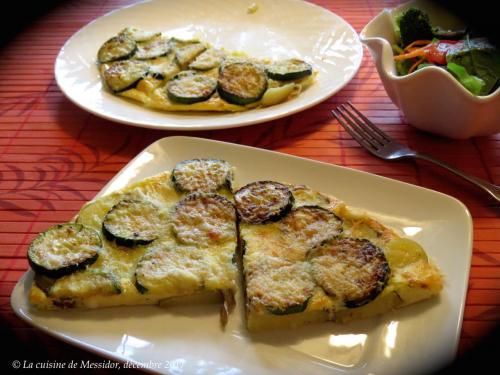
(162, 240)
(317, 261)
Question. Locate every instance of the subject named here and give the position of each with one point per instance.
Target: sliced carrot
(420, 42)
(415, 66)
(419, 52)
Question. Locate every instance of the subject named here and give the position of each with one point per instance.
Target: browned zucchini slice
(84, 284)
(64, 249)
(263, 201)
(139, 35)
(177, 270)
(188, 52)
(202, 175)
(163, 67)
(155, 47)
(280, 287)
(286, 70)
(309, 226)
(117, 48)
(241, 82)
(204, 219)
(132, 222)
(189, 87)
(123, 75)
(353, 270)
(209, 59)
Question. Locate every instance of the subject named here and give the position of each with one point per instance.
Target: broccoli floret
(414, 25)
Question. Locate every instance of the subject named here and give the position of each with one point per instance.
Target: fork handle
(491, 189)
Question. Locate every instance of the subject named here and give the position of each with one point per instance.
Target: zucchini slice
(202, 175)
(170, 271)
(190, 87)
(132, 223)
(44, 282)
(263, 201)
(117, 48)
(305, 196)
(173, 271)
(280, 287)
(155, 47)
(163, 67)
(122, 75)
(276, 95)
(139, 35)
(85, 284)
(353, 270)
(241, 82)
(286, 70)
(204, 219)
(209, 59)
(64, 249)
(308, 226)
(187, 53)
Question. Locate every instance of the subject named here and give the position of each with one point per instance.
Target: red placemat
(54, 157)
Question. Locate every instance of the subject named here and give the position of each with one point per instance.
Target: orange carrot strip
(415, 66)
(417, 43)
(420, 52)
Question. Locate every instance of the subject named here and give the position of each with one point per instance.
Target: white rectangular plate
(189, 339)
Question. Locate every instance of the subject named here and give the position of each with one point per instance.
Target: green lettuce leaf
(479, 58)
(472, 83)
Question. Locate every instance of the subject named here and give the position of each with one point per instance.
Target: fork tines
(360, 127)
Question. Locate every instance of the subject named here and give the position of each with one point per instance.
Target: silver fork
(380, 144)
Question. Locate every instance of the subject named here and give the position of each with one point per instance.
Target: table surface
(54, 158)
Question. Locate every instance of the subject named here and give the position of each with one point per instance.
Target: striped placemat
(53, 158)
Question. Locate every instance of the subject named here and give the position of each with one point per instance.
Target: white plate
(279, 29)
(414, 338)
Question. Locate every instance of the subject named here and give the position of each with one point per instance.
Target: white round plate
(278, 29)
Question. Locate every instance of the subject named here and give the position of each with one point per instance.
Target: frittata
(308, 258)
(190, 75)
(153, 241)
(180, 237)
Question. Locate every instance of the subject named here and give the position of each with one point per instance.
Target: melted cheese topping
(206, 267)
(85, 284)
(204, 219)
(175, 271)
(307, 227)
(189, 84)
(412, 278)
(64, 245)
(307, 197)
(204, 175)
(243, 79)
(262, 200)
(151, 48)
(349, 269)
(164, 66)
(275, 284)
(139, 35)
(187, 53)
(209, 59)
(121, 74)
(135, 220)
(289, 66)
(269, 263)
(116, 48)
(246, 76)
